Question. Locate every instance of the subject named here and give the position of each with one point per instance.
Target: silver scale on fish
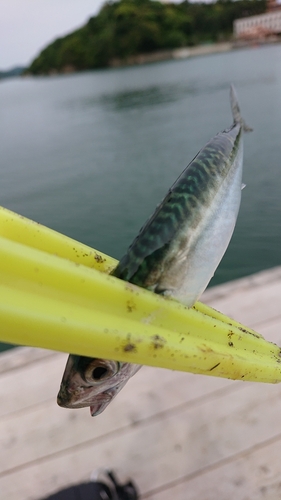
(176, 253)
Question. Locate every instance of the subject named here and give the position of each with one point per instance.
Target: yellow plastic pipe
(53, 295)
(19, 229)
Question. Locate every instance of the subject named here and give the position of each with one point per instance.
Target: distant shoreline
(172, 54)
(187, 52)
(176, 54)
(180, 53)
(158, 56)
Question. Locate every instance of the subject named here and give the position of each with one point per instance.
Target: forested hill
(130, 27)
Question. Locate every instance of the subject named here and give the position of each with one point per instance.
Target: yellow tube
(54, 302)
(17, 228)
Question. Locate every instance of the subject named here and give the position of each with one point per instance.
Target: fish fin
(243, 186)
(237, 118)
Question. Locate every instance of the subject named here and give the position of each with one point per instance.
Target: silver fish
(93, 382)
(176, 253)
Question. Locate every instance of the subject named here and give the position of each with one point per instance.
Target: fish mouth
(68, 398)
(73, 400)
(100, 404)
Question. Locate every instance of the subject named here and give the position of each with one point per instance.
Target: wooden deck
(179, 436)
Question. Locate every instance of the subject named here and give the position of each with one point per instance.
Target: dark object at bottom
(97, 490)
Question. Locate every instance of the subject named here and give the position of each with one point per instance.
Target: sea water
(92, 154)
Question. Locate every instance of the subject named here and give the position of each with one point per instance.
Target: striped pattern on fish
(176, 253)
(181, 245)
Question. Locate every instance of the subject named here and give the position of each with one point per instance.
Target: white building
(257, 26)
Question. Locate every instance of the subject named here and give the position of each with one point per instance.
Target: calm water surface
(92, 154)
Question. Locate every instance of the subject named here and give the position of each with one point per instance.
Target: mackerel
(175, 253)
(178, 250)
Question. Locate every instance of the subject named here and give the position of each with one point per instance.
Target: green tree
(128, 27)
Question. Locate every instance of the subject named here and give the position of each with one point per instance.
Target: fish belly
(192, 267)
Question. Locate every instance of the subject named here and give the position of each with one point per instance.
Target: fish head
(92, 382)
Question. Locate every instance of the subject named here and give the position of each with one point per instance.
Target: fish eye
(99, 372)
(100, 369)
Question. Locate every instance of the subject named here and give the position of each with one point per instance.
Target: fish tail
(237, 118)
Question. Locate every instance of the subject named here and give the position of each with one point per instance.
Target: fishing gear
(56, 293)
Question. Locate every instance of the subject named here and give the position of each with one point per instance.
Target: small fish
(93, 382)
(175, 253)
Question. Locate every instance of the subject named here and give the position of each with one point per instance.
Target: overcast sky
(27, 26)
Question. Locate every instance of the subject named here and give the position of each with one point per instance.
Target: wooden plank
(161, 450)
(19, 356)
(272, 330)
(254, 281)
(156, 391)
(251, 300)
(33, 384)
(254, 475)
(179, 434)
